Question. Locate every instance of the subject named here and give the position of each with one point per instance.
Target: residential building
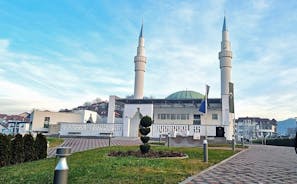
(255, 127)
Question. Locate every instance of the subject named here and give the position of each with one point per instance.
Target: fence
(157, 130)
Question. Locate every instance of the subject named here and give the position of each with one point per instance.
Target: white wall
(90, 129)
(129, 112)
(38, 117)
(111, 109)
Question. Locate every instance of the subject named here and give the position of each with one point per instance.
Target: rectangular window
(46, 122)
(215, 116)
(196, 116)
(197, 122)
(178, 116)
(183, 116)
(167, 116)
(173, 116)
(163, 116)
(197, 119)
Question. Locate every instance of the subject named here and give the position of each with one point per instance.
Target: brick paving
(259, 164)
(82, 144)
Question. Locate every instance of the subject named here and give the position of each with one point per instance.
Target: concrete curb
(189, 179)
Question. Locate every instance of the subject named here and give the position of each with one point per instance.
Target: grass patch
(53, 141)
(94, 166)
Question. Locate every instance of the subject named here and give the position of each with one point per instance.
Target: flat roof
(167, 101)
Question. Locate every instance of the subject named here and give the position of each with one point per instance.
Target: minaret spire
(141, 30)
(225, 57)
(140, 62)
(224, 25)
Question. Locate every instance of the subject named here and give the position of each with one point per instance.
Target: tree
(4, 150)
(41, 146)
(144, 129)
(17, 150)
(29, 149)
(97, 100)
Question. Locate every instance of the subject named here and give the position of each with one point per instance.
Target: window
(163, 116)
(197, 119)
(46, 122)
(196, 116)
(196, 122)
(183, 116)
(167, 116)
(178, 116)
(173, 116)
(215, 116)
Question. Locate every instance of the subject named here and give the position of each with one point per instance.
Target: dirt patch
(150, 154)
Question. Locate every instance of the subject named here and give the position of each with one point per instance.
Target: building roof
(167, 101)
(185, 95)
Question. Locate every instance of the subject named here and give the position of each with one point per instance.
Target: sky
(61, 53)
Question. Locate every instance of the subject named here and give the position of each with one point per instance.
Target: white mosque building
(177, 114)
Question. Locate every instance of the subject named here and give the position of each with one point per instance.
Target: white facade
(86, 129)
(132, 115)
(41, 120)
(254, 128)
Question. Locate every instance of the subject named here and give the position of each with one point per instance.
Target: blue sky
(59, 54)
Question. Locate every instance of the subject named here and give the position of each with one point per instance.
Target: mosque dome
(185, 95)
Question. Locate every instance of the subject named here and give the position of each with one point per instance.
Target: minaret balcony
(225, 53)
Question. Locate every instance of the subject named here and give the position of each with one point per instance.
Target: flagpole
(206, 99)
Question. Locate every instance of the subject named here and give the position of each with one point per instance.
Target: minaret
(225, 57)
(140, 61)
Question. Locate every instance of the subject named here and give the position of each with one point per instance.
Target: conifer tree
(29, 149)
(41, 146)
(4, 150)
(17, 150)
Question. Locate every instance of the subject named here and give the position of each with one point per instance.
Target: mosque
(178, 114)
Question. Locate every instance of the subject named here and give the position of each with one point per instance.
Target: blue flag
(202, 107)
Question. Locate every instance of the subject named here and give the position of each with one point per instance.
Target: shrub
(144, 129)
(145, 139)
(17, 150)
(41, 146)
(29, 150)
(4, 150)
(146, 121)
(277, 142)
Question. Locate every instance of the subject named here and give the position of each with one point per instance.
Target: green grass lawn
(53, 142)
(95, 166)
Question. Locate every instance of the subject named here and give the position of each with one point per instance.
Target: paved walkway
(82, 144)
(258, 164)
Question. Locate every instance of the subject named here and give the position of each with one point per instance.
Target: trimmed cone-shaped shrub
(146, 121)
(29, 149)
(41, 146)
(144, 148)
(17, 150)
(145, 139)
(4, 150)
(144, 129)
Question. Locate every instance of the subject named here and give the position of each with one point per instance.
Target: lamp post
(61, 170)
